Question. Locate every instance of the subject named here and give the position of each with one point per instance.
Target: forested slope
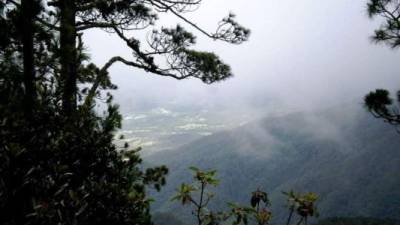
(346, 156)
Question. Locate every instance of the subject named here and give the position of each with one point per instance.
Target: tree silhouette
(379, 102)
(59, 164)
(166, 52)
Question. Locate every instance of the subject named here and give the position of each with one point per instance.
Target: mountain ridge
(345, 155)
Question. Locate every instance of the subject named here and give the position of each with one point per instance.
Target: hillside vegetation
(346, 156)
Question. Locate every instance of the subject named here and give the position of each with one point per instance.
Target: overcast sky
(301, 53)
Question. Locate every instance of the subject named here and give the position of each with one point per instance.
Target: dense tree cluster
(58, 162)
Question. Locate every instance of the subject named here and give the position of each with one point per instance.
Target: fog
(301, 55)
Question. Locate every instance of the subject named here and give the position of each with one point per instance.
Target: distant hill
(345, 155)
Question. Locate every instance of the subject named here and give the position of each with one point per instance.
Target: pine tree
(379, 102)
(59, 164)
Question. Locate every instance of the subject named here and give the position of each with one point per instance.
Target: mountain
(349, 158)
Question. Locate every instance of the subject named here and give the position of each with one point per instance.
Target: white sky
(301, 53)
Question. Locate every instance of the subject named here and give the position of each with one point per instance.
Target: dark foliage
(58, 173)
(56, 169)
(379, 102)
(58, 162)
(381, 105)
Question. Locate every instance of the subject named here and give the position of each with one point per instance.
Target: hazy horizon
(301, 55)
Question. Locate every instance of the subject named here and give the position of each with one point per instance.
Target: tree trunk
(27, 17)
(68, 58)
